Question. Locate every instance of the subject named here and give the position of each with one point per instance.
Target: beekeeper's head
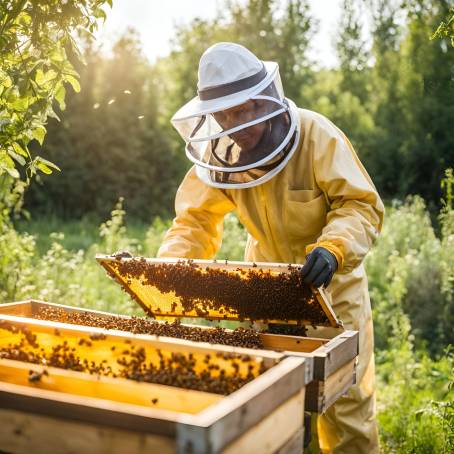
(240, 131)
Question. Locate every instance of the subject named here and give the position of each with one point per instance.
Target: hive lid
(221, 290)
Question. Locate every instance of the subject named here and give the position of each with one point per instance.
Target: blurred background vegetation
(121, 162)
(392, 94)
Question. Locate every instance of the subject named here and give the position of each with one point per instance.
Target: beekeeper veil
(240, 130)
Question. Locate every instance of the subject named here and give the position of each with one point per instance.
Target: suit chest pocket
(305, 213)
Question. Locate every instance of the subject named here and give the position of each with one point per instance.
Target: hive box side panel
(233, 416)
(295, 445)
(91, 411)
(321, 394)
(20, 308)
(328, 358)
(22, 432)
(273, 432)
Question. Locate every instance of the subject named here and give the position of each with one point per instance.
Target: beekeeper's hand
(319, 268)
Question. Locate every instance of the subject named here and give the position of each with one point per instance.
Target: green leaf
(47, 163)
(19, 150)
(20, 104)
(51, 113)
(16, 157)
(5, 80)
(42, 78)
(12, 171)
(39, 134)
(74, 83)
(41, 166)
(60, 97)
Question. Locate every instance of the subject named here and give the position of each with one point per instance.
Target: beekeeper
(301, 192)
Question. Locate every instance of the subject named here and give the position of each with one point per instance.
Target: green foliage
(35, 37)
(446, 28)
(234, 239)
(154, 236)
(111, 143)
(415, 397)
(392, 102)
(352, 50)
(446, 219)
(411, 268)
(390, 94)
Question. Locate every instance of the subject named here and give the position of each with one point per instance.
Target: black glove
(319, 268)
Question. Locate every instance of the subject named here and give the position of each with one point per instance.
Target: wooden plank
(90, 410)
(321, 297)
(295, 445)
(23, 433)
(334, 354)
(115, 389)
(320, 395)
(328, 354)
(240, 411)
(220, 264)
(280, 342)
(272, 432)
(159, 342)
(20, 308)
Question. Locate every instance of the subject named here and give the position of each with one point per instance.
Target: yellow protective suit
(323, 197)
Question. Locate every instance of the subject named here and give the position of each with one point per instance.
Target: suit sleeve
(196, 231)
(356, 212)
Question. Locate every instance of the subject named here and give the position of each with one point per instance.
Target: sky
(155, 20)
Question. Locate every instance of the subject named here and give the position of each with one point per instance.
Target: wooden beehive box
(264, 292)
(69, 411)
(330, 367)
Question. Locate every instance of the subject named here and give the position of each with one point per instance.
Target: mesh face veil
(240, 139)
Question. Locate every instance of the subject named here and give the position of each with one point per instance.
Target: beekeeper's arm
(196, 231)
(356, 211)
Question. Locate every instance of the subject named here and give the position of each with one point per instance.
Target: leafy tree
(382, 156)
(271, 29)
(110, 142)
(352, 50)
(446, 28)
(427, 88)
(35, 38)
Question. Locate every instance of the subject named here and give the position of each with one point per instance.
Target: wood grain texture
(274, 431)
(329, 357)
(321, 394)
(295, 445)
(25, 433)
(243, 409)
